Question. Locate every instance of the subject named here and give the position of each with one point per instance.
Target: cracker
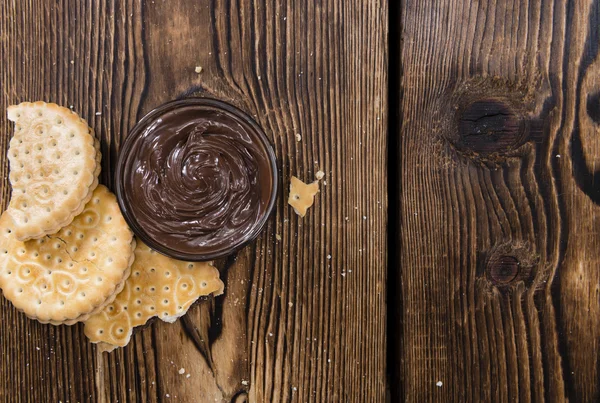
(97, 171)
(302, 195)
(98, 159)
(158, 286)
(53, 161)
(65, 277)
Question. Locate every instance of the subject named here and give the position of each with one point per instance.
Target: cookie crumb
(278, 237)
(245, 383)
(320, 175)
(188, 375)
(181, 371)
(298, 137)
(302, 195)
(198, 69)
(98, 113)
(439, 384)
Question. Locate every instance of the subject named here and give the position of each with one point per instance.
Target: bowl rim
(125, 150)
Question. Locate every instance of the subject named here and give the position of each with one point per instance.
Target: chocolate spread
(198, 180)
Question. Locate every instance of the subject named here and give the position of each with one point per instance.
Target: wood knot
(503, 269)
(507, 264)
(488, 119)
(489, 125)
(593, 107)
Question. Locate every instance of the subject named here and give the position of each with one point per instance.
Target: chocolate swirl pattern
(197, 179)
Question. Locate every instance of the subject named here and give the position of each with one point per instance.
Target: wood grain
(497, 163)
(303, 318)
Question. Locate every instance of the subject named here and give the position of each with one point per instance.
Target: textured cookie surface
(64, 277)
(158, 286)
(53, 165)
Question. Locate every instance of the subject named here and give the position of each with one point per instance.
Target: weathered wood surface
(303, 318)
(497, 278)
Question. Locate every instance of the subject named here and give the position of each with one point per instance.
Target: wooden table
(479, 121)
(496, 280)
(303, 317)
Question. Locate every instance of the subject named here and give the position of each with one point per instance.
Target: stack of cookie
(66, 252)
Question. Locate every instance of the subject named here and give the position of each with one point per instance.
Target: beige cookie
(53, 166)
(302, 195)
(96, 173)
(65, 277)
(158, 286)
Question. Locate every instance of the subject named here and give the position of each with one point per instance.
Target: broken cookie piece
(53, 168)
(158, 286)
(302, 195)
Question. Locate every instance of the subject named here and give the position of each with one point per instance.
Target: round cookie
(158, 286)
(53, 165)
(65, 277)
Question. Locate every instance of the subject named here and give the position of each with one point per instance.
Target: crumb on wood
(302, 195)
(198, 69)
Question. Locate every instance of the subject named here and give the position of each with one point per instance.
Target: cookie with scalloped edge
(96, 181)
(65, 277)
(53, 165)
(158, 287)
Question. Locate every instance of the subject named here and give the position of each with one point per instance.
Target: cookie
(158, 286)
(302, 195)
(53, 165)
(96, 173)
(65, 277)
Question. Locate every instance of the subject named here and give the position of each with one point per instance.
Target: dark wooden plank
(498, 227)
(304, 317)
